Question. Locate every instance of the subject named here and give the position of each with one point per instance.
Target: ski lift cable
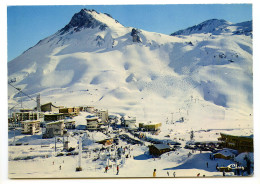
(14, 106)
(22, 92)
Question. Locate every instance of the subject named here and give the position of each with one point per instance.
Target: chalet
(150, 126)
(102, 115)
(56, 128)
(30, 127)
(49, 107)
(54, 117)
(240, 143)
(159, 149)
(226, 154)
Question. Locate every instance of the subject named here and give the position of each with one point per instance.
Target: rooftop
(161, 146)
(55, 122)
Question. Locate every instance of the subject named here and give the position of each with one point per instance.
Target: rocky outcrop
(83, 19)
(136, 37)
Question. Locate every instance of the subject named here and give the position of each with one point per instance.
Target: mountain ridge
(214, 26)
(148, 77)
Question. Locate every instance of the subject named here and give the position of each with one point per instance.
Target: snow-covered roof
(239, 134)
(30, 121)
(55, 122)
(91, 117)
(227, 152)
(161, 146)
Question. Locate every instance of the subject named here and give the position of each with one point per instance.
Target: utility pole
(55, 144)
(38, 102)
(79, 168)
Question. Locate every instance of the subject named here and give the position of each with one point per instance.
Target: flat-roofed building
(130, 122)
(25, 115)
(150, 126)
(70, 111)
(30, 127)
(54, 117)
(102, 115)
(49, 107)
(93, 123)
(89, 109)
(242, 143)
(69, 124)
(56, 128)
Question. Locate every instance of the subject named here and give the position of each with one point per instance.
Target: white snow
(208, 83)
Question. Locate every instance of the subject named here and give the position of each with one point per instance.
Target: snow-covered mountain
(203, 73)
(216, 26)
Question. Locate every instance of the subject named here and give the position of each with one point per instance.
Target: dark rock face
(82, 20)
(136, 37)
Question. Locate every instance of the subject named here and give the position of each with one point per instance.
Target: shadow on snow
(199, 161)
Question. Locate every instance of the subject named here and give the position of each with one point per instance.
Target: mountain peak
(207, 26)
(88, 19)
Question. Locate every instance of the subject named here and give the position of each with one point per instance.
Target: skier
(60, 167)
(207, 165)
(167, 173)
(217, 166)
(117, 168)
(224, 174)
(154, 173)
(106, 168)
(174, 174)
(198, 174)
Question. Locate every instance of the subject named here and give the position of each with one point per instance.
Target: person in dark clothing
(117, 169)
(207, 165)
(106, 168)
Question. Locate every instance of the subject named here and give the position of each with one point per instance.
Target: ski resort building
(24, 115)
(102, 115)
(240, 143)
(226, 154)
(56, 128)
(89, 109)
(150, 126)
(69, 124)
(30, 127)
(54, 117)
(159, 149)
(93, 123)
(49, 107)
(72, 111)
(130, 122)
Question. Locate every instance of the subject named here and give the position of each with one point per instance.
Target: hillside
(205, 76)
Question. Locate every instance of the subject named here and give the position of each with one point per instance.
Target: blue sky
(26, 25)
